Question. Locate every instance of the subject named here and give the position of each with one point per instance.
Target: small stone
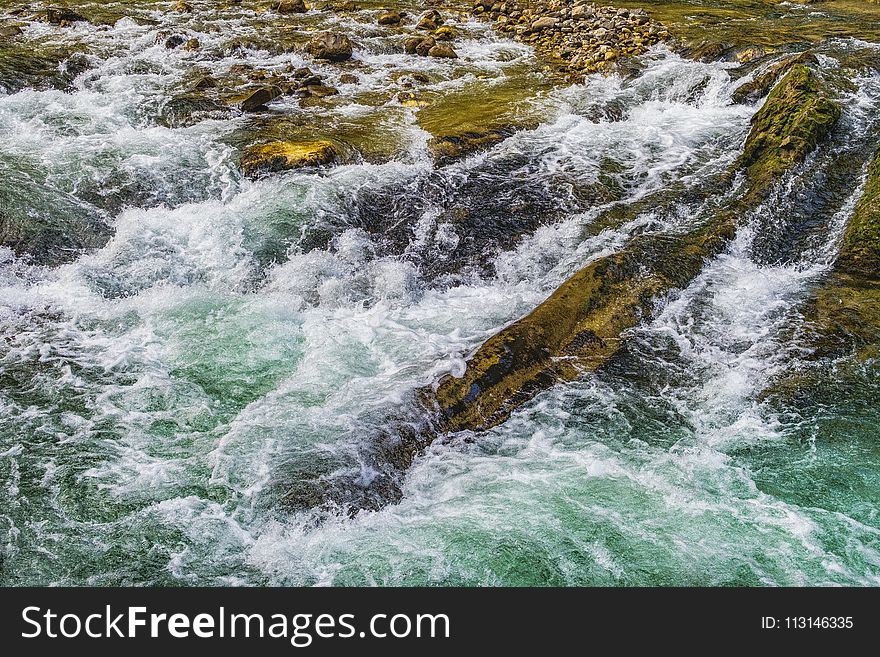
(183, 7)
(9, 31)
(425, 46)
(411, 99)
(411, 44)
(389, 18)
(290, 7)
(206, 82)
(62, 16)
(442, 50)
(319, 90)
(430, 20)
(544, 23)
(349, 78)
(174, 41)
(445, 33)
(192, 44)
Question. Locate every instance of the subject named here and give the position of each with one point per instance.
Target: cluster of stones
(431, 37)
(580, 37)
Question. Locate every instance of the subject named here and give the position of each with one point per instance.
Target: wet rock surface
(580, 326)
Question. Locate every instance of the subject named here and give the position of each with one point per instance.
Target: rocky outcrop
(579, 37)
(581, 325)
(284, 155)
(330, 46)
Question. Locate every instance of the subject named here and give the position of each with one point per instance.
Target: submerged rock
(63, 16)
(284, 155)
(581, 325)
(9, 31)
(449, 148)
(331, 46)
(48, 226)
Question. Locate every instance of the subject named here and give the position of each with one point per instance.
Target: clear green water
(161, 394)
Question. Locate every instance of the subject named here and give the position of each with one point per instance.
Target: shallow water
(163, 392)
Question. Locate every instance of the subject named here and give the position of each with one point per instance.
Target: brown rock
(290, 7)
(425, 46)
(330, 45)
(259, 98)
(389, 18)
(206, 82)
(442, 50)
(430, 20)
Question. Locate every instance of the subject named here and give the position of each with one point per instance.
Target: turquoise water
(163, 392)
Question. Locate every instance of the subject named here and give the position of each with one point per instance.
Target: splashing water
(161, 392)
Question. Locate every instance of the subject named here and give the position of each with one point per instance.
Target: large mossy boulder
(582, 324)
(796, 116)
(761, 84)
(285, 155)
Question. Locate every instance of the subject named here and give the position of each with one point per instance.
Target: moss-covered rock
(580, 326)
(284, 155)
(796, 116)
(844, 314)
(860, 252)
(760, 85)
(449, 148)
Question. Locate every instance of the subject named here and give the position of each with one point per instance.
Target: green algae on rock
(844, 314)
(581, 325)
(797, 115)
(281, 156)
(860, 253)
(758, 87)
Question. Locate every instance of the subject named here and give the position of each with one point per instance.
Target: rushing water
(163, 392)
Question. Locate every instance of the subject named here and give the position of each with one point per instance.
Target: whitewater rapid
(163, 393)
